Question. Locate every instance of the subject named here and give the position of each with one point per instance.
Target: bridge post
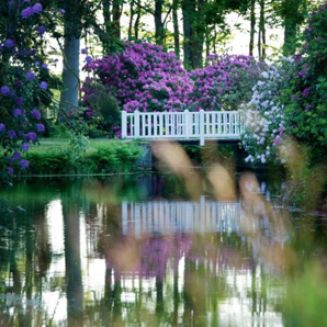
(123, 124)
(201, 127)
(188, 123)
(137, 124)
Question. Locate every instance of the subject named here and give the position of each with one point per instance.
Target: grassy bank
(98, 156)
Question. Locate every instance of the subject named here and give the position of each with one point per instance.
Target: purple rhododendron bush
(144, 77)
(23, 85)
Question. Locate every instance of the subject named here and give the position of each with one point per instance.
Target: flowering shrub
(23, 86)
(264, 114)
(306, 97)
(225, 83)
(143, 77)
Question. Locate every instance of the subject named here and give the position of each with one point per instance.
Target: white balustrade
(186, 125)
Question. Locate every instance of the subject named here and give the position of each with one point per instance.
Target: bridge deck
(180, 126)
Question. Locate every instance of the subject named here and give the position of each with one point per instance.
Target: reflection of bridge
(166, 217)
(181, 126)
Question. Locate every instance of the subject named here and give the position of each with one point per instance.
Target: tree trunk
(262, 31)
(131, 18)
(158, 23)
(70, 76)
(198, 35)
(137, 22)
(292, 18)
(214, 41)
(252, 27)
(207, 43)
(116, 15)
(290, 33)
(106, 15)
(188, 10)
(176, 28)
(194, 32)
(71, 54)
(259, 45)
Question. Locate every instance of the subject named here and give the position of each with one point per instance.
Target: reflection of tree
(73, 264)
(110, 235)
(20, 256)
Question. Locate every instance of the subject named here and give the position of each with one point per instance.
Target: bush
(143, 77)
(23, 87)
(103, 112)
(264, 114)
(113, 156)
(225, 83)
(306, 97)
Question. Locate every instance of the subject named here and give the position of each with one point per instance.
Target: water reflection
(79, 255)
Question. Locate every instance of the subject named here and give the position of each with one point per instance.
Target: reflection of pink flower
(154, 257)
(154, 254)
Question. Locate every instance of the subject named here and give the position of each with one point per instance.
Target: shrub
(306, 98)
(23, 86)
(97, 159)
(225, 83)
(103, 112)
(143, 77)
(264, 114)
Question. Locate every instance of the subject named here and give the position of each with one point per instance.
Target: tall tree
(137, 21)
(252, 27)
(262, 45)
(175, 6)
(197, 16)
(188, 11)
(293, 13)
(117, 9)
(71, 54)
(109, 32)
(158, 22)
(106, 16)
(131, 19)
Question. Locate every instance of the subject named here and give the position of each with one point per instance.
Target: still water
(137, 251)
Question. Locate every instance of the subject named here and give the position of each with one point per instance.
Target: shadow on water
(160, 250)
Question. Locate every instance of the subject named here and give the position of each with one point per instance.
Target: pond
(138, 251)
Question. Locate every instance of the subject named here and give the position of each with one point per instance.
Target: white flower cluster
(264, 115)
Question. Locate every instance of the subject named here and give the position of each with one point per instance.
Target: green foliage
(97, 158)
(106, 109)
(306, 97)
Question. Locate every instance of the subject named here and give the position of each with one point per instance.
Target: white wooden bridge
(169, 217)
(182, 126)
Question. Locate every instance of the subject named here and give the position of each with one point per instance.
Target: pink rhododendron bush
(226, 82)
(143, 77)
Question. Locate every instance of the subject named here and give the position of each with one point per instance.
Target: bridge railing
(186, 125)
(169, 217)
